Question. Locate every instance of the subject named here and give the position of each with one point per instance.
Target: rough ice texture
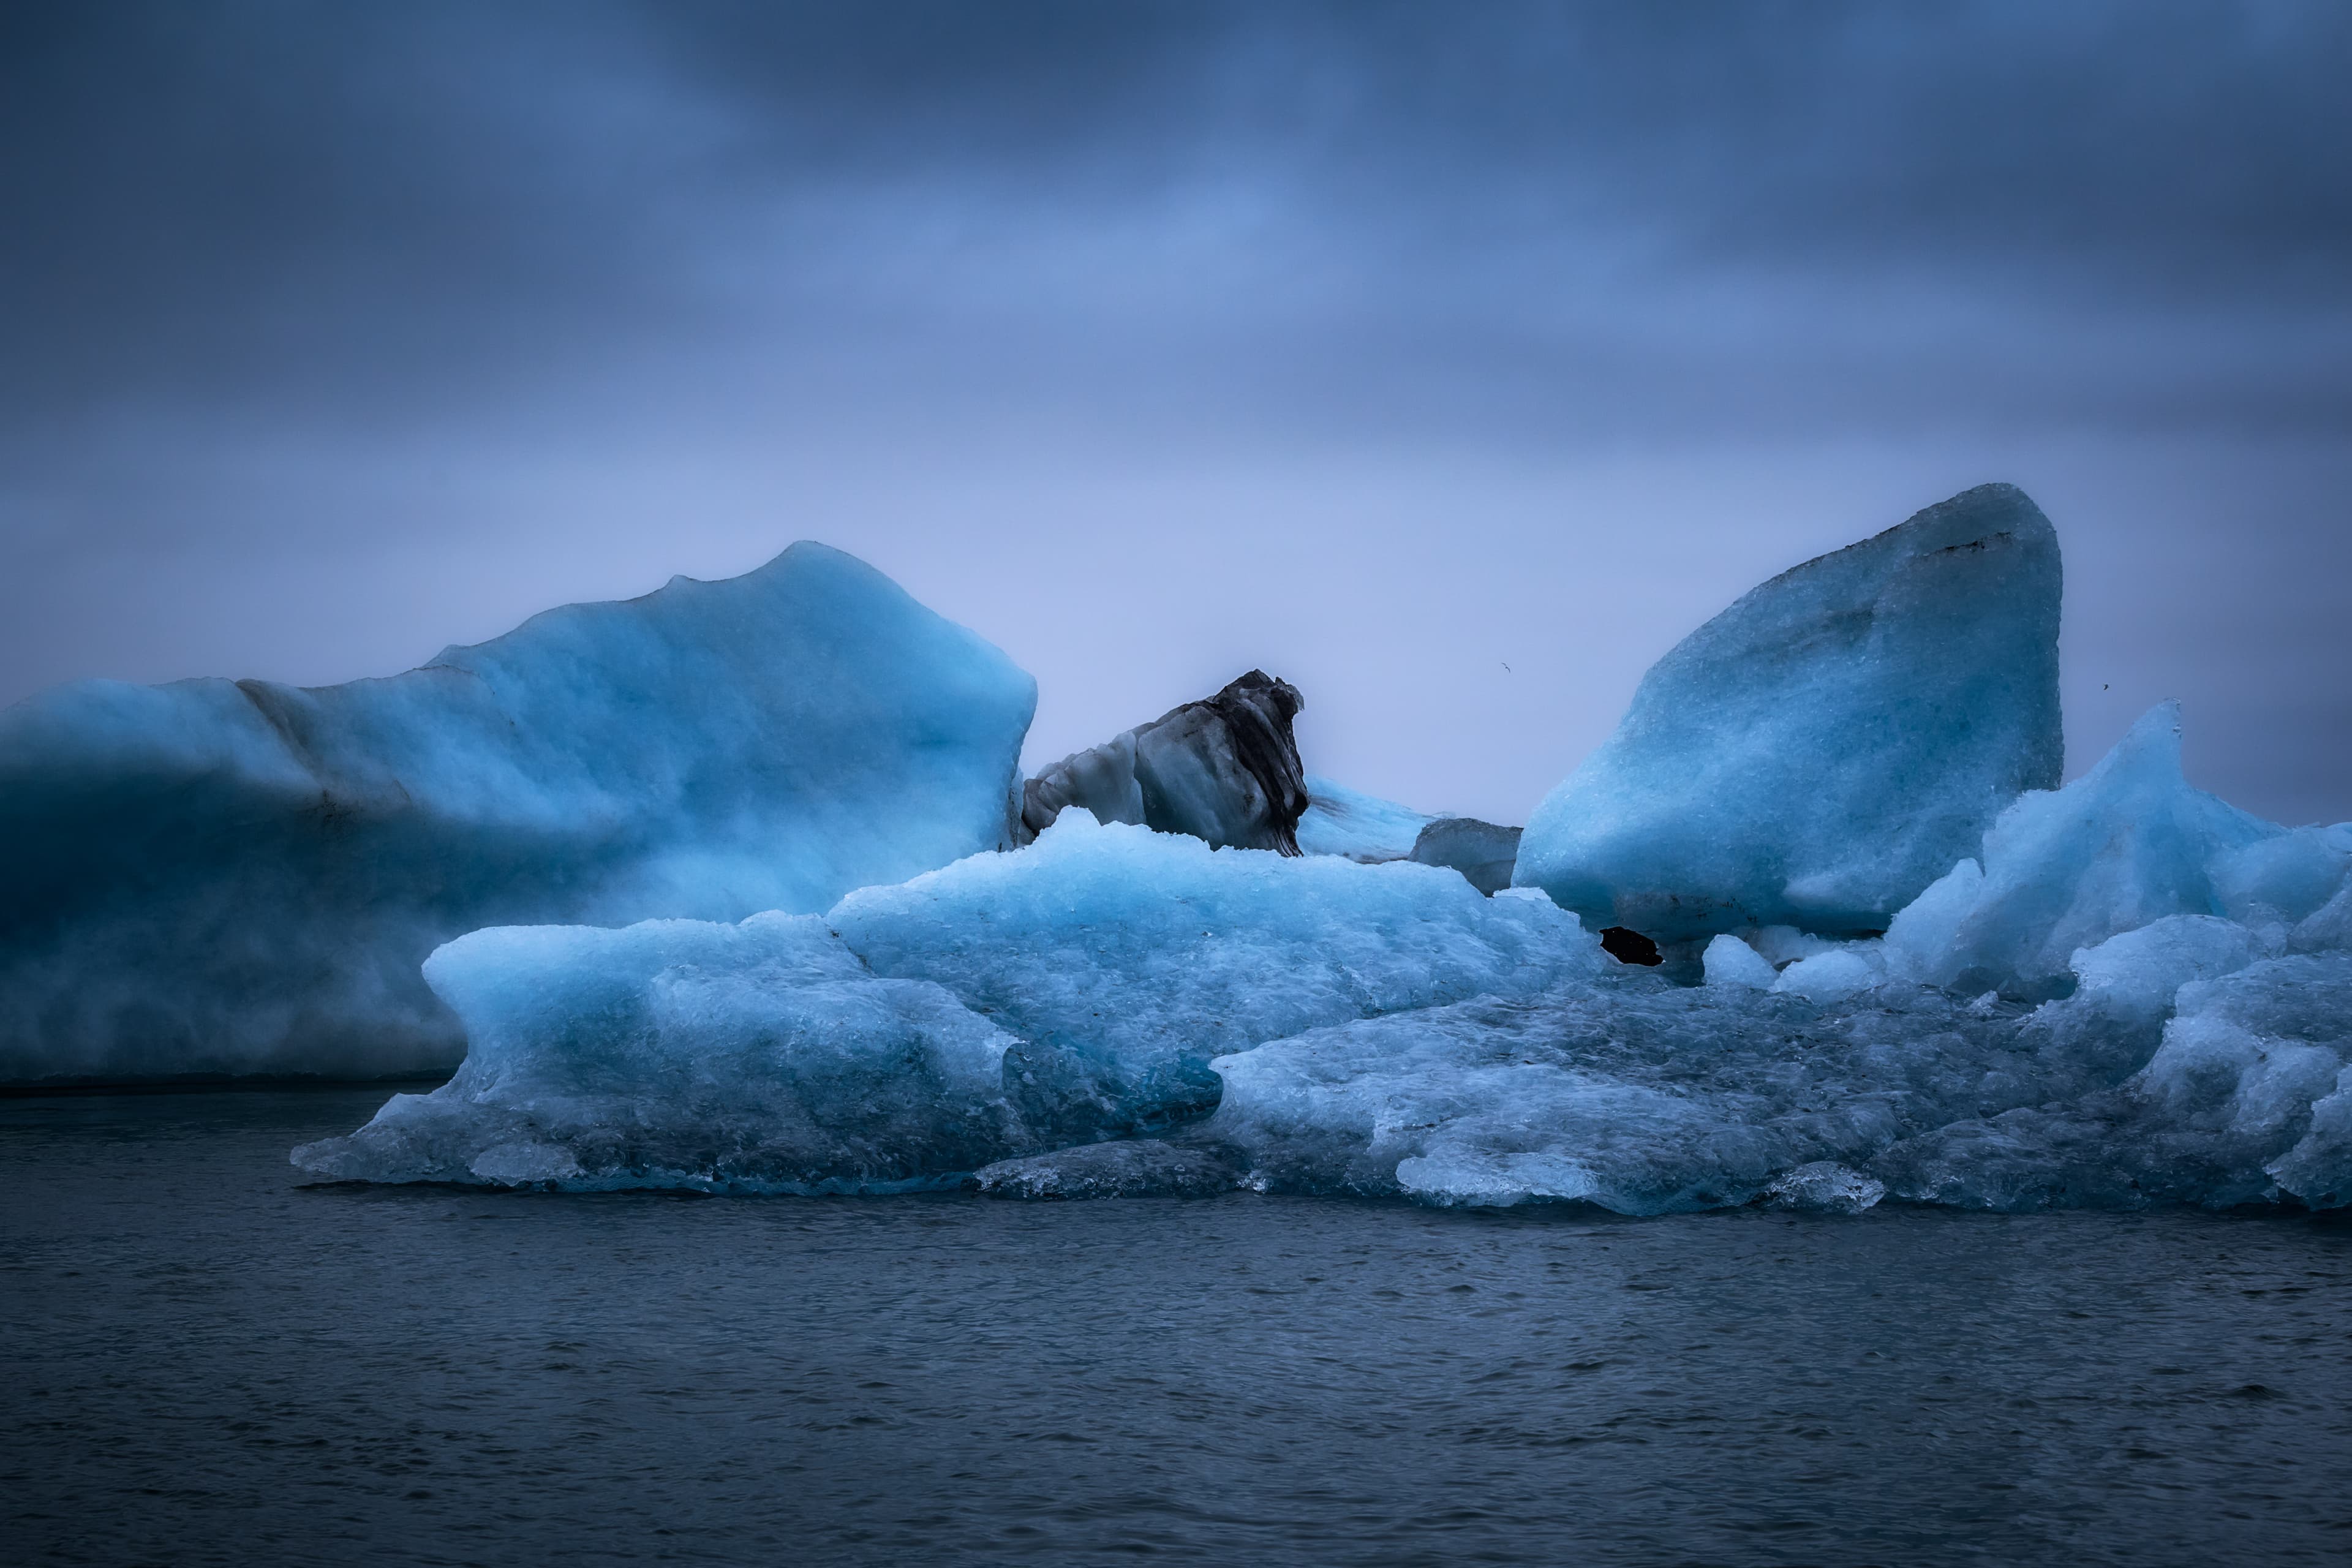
(1632, 1094)
(1342, 821)
(2125, 845)
(1004, 1006)
(1046, 1024)
(1225, 770)
(242, 878)
(1818, 753)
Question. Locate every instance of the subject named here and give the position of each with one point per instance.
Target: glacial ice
(1484, 852)
(1004, 1006)
(1116, 1013)
(1820, 752)
(1225, 770)
(1927, 974)
(1343, 821)
(244, 876)
(2125, 845)
(1113, 1012)
(1644, 1098)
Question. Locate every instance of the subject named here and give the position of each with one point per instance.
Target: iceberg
(1004, 1006)
(1225, 770)
(240, 877)
(1820, 752)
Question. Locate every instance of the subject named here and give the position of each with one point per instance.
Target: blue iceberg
(1904, 965)
(1005, 1006)
(1818, 753)
(239, 877)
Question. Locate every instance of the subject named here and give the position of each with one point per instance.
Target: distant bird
(1505, 666)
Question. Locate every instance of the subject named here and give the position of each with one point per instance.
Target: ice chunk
(2291, 875)
(2139, 971)
(1142, 1167)
(1004, 1006)
(1826, 1187)
(1824, 749)
(2329, 928)
(1731, 961)
(1225, 770)
(1923, 933)
(1628, 1093)
(1840, 972)
(758, 1056)
(2251, 1075)
(242, 878)
(1342, 821)
(2125, 845)
(1481, 851)
(1623, 1091)
(1783, 945)
(1147, 953)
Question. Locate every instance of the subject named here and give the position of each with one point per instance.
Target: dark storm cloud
(426, 202)
(369, 326)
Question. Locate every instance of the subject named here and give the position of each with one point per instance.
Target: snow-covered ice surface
(242, 877)
(1818, 753)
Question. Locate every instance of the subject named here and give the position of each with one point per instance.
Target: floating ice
(756, 1056)
(1342, 821)
(1225, 770)
(1731, 961)
(1005, 1006)
(1043, 1020)
(1634, 1095)
(2124, 846)
(241, 877)
(1482, 852)
(1824, 749)
(1144, 954)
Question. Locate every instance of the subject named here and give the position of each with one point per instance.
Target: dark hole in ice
(1628, 946)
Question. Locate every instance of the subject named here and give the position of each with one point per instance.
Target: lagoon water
(209, 1363)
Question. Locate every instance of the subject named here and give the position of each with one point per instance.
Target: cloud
(485, 305)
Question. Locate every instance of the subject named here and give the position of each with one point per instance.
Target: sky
(1449, 362)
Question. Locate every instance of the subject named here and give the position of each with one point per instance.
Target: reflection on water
(209, 1364)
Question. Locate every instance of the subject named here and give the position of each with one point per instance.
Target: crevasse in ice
(1818, 753)
(242, 877)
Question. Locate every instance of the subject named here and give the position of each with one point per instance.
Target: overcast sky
(1451, 361)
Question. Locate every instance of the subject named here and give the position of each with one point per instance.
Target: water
(208, 1363)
